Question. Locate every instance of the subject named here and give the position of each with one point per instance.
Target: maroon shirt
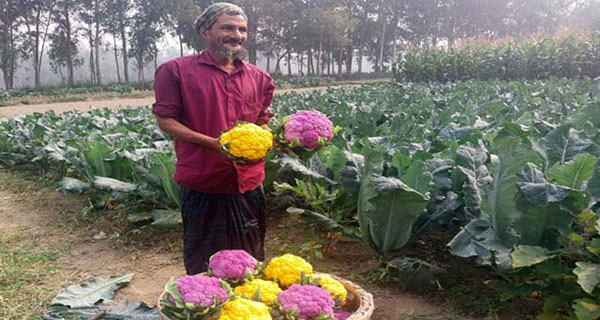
(197, 92)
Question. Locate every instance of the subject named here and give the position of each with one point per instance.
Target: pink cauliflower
(201, 290)
(310, 301)
(231, 264)
(308, 127)
(341, 315)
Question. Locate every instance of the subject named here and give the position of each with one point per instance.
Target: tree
(37, 17)
(9, 47)
(117, 22)
(66, 37)
(63, 54)
(180, 18)
(146, 30)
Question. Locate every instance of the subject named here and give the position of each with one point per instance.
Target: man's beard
(242, 53)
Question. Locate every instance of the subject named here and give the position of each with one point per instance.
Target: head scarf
(213, 12)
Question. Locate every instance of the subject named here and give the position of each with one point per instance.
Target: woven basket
(358, 301)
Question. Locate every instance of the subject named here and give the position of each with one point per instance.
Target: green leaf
(575, 173)
(168, 219)
(113, 184)
(564, 143)
(163, 167)
(586, 309)
(295, 165)
(417, 177)
(390, 216)
(525, 256)
(594, 183)
(512, 156)
(323, 221)
(588, 275)
(73, 185)
(92, 291)
(478, 239)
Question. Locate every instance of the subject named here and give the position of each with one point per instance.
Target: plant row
(569, 57)
(513, 165)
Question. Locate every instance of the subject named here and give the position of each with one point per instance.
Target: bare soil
(155, 257)
(59, 107)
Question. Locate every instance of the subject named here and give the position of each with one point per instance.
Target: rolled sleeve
(264, 116)
(167, 92)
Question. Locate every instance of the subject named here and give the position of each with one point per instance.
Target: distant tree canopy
(318, 36)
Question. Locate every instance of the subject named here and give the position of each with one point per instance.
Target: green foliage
(570, 57)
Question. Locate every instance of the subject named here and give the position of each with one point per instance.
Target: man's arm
(177, 130)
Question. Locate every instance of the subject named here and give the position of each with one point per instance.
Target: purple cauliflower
(231, 264)
(309, 301)
(308, 127)
(201, 290)
(341, 315)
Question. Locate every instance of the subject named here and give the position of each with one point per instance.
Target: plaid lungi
(214, 222)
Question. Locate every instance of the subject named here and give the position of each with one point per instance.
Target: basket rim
(364, 311)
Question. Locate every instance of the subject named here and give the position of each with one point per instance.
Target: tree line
(318, 36)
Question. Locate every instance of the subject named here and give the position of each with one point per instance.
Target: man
(197, 98)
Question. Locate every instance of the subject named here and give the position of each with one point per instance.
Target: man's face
(227, 35)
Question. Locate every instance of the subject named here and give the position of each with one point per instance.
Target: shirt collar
(206, 58)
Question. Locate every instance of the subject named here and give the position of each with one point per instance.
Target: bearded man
(197, 98)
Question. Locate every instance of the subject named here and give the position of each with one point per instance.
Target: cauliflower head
(327, 282)
(232, 264)
(310, 129)
(244, 309)
(308, 301)
(287, 269)
(269, 290)
(246, 142)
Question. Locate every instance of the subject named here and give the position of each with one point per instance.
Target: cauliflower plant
(232, 265)
(306, 302)
(246, 142)
(196, 296)
(303, 133)
(287, 269)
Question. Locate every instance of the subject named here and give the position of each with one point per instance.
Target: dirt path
(49, 216)
(59, 107)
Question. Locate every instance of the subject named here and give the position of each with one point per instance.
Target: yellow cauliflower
(327, 282)
(246, 141)
(269, 290)
(244, 309)
(287, 269)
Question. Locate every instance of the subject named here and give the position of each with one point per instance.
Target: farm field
(478, 160)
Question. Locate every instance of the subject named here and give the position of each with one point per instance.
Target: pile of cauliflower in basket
(238, 287)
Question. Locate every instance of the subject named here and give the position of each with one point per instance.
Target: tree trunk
(180, 44)
(92, 64)
(36, 48)
(70, 75)
(310, 65)
(360, 58)
(300, 64)
(319, 58)
(140, 62)
(116, 57)
(382, 46)
(124, 49)
(289, 62)
(268, 64)
(97, 42)
(340, 60)
(349, 57)
(41, 54)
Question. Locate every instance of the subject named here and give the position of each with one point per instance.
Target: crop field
(506, 170)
